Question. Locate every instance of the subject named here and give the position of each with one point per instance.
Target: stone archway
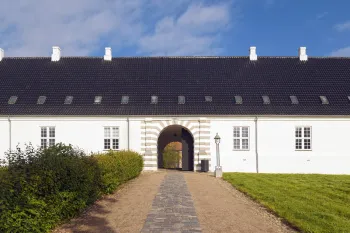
(152, 128)
(177, 133)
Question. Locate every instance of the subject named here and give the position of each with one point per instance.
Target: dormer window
(125, 99)
(266, 99)
(41, 100)
(12, 100)
(154, 99)
(181, 99)
(98, 100)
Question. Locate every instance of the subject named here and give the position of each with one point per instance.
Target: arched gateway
(177, 133)
(193, 134)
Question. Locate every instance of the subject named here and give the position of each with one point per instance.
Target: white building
(273, 114)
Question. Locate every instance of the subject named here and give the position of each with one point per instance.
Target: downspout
(256, 145)
(128, 133)
(10, 136)
(199, 139)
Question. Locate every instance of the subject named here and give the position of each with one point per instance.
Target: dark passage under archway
(177, 133)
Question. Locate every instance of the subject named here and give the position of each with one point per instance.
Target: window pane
(245, 144)
(52, 132)
(51, 142)
(43, 132)
(298, 132)
(115, 132)
(236, 144)
(236, 132)
(107, 144)
(107, 132)
(307, 132)
(298, 144)
(43, 143)
(307, 144)
(115, 145)
(245, 132)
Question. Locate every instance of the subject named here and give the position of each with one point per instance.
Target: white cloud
(343, 26)
(195, 32)
(79, 27)
(343, 52)
(322, 15)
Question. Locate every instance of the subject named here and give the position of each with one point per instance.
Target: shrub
(42, 187)
(118, 167)
(171, 157)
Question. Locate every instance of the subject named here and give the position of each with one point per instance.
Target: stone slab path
(172, 201)
(172, 209)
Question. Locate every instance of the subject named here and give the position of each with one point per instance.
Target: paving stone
(172, 208)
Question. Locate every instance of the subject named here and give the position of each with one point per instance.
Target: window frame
(111, 138)
(302, 137)
(241, 138)
(48, 136)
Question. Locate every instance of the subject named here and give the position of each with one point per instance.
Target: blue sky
(175, 28)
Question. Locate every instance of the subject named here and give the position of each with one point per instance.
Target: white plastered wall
(276, 145)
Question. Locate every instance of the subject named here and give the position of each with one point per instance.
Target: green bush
(118, 167)
(171, 157)
(40, 188)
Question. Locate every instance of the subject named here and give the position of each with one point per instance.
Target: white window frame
(48, 137)
(240, 138)
(302, 138)
(111, 136)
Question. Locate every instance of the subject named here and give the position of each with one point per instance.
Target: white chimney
(252, 54)
(56, 53)
(302, 54)
(2, 54)
(108, 54)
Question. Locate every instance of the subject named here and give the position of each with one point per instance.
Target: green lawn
(313, 203)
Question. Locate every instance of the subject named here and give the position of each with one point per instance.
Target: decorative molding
(151, 130)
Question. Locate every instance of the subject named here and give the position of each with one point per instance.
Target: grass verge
(310, 202)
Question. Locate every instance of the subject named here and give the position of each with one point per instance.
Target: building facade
(273, 114)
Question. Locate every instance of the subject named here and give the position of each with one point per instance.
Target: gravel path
(172, 201)
(221, 208)
(124, 211)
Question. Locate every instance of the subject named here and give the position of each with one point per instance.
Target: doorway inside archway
(178, 139)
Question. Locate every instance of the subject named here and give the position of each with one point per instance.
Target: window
(181, 99)
(266, 99)
(125, 99)
(154, 99)
(41, 100)
(238, 99)
(208, 99)
(241, 138)
(98, 99)
(294, 99)
(12, 100)
(303, 138)
(48, 135)
(68, 100)
(111, 138)
(324, 99)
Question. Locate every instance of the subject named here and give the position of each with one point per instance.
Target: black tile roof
(222, 78)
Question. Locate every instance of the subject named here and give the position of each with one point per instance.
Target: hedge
(117, 167)
(40, 188)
